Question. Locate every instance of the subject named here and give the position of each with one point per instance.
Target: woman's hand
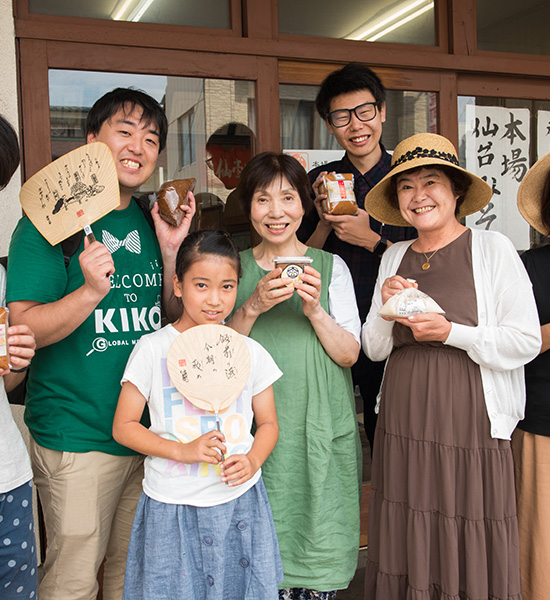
(427, 327)
(394, 285)
(309, 290)
(338, 343)
(204, 449)
(270, 290)
(237, 469)
(21, 346)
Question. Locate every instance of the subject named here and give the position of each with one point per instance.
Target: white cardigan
(507, 335)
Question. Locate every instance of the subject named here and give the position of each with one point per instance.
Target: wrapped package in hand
(409, 301)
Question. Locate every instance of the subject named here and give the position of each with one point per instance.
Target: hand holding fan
(72, 192)
(209, 365)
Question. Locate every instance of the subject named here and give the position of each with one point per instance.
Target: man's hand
(354, 229)
(169, 236)
(317, 202)
(97, 264)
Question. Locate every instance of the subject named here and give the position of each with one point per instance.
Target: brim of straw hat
(423, 150)
(530, 194)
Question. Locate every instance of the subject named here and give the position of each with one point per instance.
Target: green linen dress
(313, 476)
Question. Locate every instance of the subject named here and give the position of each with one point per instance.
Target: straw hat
(423, 149)
(530, 194)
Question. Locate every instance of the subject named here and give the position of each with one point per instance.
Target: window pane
(210, 133)
(512, 26)
(402, 22)
(215, 13)
(302, 128)
(500, 138)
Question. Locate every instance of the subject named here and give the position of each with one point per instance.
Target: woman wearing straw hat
(442, 518)
(531, 439)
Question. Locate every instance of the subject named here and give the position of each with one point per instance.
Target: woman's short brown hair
(265, 168)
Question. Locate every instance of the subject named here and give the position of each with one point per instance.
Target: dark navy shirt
(362, 263)
(537, 372)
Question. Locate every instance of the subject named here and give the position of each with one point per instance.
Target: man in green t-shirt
(87, 316)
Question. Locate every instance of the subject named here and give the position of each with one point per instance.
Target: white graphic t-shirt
(174, 417)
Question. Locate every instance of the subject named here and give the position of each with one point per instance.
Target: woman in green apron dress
(311, 328)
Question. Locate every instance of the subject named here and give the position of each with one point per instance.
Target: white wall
(10, 209)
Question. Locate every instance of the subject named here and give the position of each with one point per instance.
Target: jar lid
(306, 260)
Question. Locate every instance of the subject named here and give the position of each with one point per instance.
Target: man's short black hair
(354, 77)
(127, 99)
(9, 152)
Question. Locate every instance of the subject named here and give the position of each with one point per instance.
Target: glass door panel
(402, 22)
(215, 13)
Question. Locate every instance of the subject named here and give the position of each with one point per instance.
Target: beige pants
(532, 468)
(89, 500)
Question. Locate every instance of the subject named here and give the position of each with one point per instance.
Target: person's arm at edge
(545, 334)
(527, 260)
(21, 346)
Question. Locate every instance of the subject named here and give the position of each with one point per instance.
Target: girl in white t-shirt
(203, 528)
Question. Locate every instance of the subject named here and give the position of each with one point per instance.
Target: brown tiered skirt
(442, 518)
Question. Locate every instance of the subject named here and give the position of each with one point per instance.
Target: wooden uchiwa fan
(72, 192)
(209, 365)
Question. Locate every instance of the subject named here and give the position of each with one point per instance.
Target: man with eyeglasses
(351, 100)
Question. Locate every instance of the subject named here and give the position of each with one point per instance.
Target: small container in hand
(4, 350)
(292, 266)
(340, 200)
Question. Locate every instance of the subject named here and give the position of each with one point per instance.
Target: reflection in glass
(401, 22)
(205, 117)
(215, 13)
(512, 26)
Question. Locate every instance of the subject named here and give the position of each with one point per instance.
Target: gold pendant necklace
(426, 265)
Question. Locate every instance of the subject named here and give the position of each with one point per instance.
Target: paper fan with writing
(72, 192)
(209, 365)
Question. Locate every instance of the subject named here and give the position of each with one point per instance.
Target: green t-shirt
(74, 384)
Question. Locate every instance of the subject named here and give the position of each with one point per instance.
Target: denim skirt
(224, 552)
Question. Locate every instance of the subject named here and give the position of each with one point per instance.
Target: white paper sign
(497, 150)
(309, 159)
(543, 133)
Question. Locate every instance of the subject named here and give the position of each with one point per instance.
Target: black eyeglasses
(342, 117)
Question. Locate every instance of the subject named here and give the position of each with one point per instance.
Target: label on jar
(4, 356)
(292, 271)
